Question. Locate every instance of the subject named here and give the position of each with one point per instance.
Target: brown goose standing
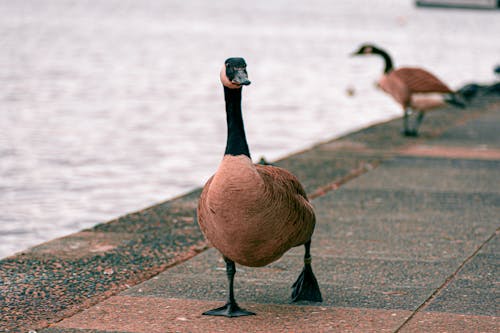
(415, 89)
(252, 213)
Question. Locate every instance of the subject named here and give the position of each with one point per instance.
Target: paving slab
(435, 175)
(477, 132)
(150, 315)
(474, 291)
(381, 248)
(451, 323)
(345, 282)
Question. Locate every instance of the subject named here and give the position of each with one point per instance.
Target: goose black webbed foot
(410, 133)
(229, 310)
(306, 287)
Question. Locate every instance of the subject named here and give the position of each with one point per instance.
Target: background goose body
(415, 89)
(253, 213)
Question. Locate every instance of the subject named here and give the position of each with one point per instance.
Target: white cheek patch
(225, 80)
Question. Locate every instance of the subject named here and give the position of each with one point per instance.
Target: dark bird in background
(473, 90)
(253, 213)
(415, 89)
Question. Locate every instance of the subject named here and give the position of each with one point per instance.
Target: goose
(415, 89)
(251, 213)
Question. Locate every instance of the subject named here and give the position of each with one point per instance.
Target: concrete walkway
(407, 240)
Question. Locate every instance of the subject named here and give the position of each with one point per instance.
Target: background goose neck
(387, 60)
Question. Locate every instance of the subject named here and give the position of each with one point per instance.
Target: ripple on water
(109, 108)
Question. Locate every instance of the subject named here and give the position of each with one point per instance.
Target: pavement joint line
(365, 167)
(448, 280)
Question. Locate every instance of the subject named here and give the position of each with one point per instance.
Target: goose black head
(365, 49)
(372, 49)
(234, 73)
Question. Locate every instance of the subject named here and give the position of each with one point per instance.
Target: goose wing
(203, 208)
(289, 202)
(282, 178)
(420, 81)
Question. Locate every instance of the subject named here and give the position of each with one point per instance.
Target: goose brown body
(414, 87)
(252, 213)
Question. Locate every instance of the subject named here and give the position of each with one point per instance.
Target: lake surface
(109, 106)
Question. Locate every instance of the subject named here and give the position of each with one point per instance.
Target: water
(108, 106)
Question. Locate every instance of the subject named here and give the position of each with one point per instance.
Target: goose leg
(231, 309)
(306, 287)
(406, 123)
(406, 116)
(420, 117)
(263, 161)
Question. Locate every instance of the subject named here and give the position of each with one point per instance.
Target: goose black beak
(241, 78)
(245, 82)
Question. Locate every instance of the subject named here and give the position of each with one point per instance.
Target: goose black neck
(387, 59)
(236, 138)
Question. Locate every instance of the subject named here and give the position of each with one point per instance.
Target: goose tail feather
(455, 100)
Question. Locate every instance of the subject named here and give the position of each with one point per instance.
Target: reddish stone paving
(451, 323)
(159, 315)
(452, 152)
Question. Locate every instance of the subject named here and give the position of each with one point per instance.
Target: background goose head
(367, 49)
(364, 49)
(234, 73)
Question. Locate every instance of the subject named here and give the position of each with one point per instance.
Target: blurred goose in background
(253, 213)
(473, 90)
(415, 89)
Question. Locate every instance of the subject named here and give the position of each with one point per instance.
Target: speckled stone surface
(475, 289)
(451, 323)
(53, 280)
(77, 330)
(385, 242)
(153, 315)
